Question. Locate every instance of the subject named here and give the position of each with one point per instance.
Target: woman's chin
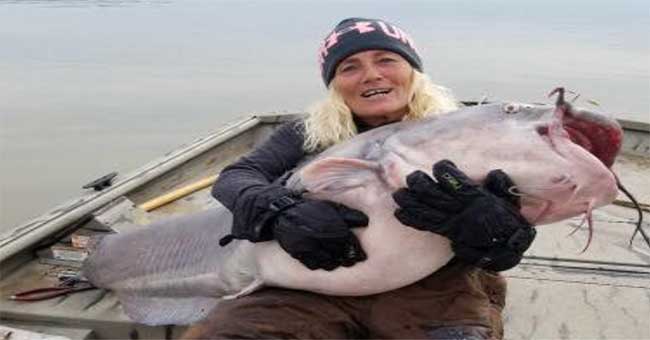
(381, 114)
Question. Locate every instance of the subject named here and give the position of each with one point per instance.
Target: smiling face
(375, 85)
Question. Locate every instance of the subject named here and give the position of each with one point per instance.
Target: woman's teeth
(375, 92)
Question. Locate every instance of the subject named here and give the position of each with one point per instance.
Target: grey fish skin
(172, 271)
(557, 178)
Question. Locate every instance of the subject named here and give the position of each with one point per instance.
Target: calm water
(92, 86)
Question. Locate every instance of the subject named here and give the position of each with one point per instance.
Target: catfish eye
(511, 108)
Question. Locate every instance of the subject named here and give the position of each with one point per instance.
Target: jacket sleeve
(246, 187)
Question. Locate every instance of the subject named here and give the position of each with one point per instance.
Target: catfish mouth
(599, 135)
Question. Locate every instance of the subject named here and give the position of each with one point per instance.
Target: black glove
(482, 222)
(317, 233)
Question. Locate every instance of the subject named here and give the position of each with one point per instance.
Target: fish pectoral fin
(394, 170)
(337, 174)
(253, 286)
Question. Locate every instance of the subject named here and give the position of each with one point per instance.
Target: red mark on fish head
(600, 135)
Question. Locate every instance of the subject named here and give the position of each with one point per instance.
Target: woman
(374, 77)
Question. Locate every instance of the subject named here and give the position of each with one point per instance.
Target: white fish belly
(397, 256)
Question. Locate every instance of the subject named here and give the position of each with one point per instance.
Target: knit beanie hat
(354, 35)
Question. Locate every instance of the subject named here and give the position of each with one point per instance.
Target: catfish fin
(157, 310)
(333, 174)
(250, 289)
(394, 170)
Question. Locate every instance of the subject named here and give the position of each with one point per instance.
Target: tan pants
(456, 302)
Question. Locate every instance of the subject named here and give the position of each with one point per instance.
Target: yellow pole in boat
(178, 193)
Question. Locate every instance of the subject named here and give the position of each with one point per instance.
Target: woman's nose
(371, 73)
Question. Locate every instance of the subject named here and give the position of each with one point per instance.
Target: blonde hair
(330, 121)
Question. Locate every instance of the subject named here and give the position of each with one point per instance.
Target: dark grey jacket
(247, 186)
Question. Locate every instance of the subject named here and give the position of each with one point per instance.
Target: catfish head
(590, 142)
(559, 156)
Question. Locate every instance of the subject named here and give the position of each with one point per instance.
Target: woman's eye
(347, 68)
(386, 60)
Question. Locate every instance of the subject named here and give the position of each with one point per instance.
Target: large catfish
(175, 272)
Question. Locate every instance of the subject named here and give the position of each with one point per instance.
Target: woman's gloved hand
(317, 233)
(482, 222)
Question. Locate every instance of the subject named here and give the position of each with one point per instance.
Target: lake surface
(93, 86)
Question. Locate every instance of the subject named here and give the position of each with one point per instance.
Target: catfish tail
(172, 271)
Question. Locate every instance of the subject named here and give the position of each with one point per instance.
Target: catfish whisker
(590, 223)
(576, 228)
(639, 223)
